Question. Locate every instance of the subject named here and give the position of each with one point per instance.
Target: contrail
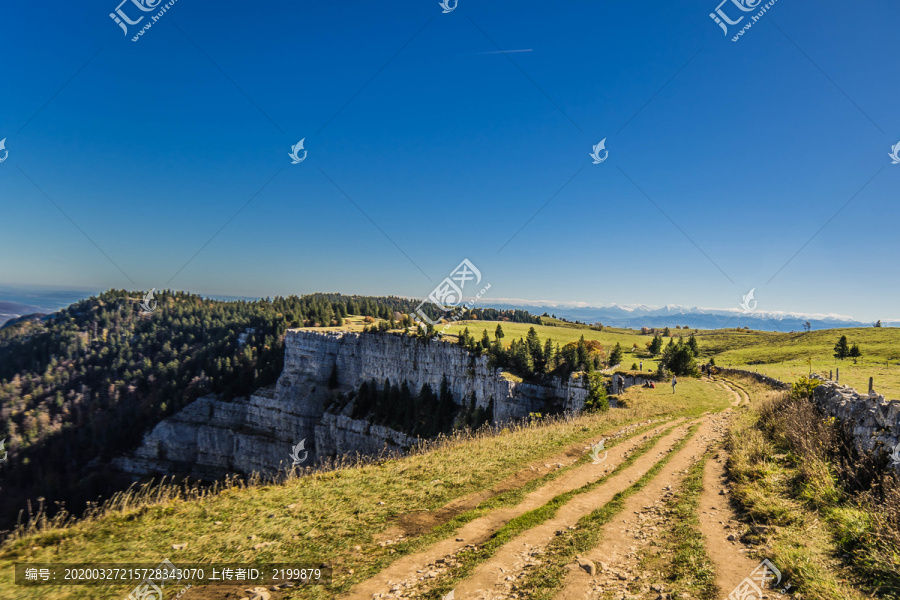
(506, 51)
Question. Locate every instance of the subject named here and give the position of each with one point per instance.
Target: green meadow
(785, 356)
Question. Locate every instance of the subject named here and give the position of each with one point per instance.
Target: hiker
(674, 383)
(621, 384)
(642, 366)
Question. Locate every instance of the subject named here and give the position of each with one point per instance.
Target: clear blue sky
(150, 147)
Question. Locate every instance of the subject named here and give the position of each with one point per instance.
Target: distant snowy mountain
(637, 316)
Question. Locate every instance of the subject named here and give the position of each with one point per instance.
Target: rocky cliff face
(210, 438)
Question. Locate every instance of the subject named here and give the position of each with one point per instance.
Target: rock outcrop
(211, 438)
(872, 420)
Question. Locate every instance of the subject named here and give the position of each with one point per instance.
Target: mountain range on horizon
(16, 303)
(671, 315)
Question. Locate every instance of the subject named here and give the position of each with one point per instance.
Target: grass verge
(320, 517)
(783, 480)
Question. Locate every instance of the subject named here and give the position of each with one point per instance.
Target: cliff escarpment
(211, 438)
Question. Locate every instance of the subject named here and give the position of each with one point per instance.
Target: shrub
(803, 388)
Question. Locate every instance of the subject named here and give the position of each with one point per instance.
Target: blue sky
(427, 146)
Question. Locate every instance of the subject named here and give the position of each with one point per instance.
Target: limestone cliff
(210, 438)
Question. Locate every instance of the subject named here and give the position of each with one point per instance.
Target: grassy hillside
(325, 516)
(780, 355)
(525, 512)
(785, 355)
(532, 482)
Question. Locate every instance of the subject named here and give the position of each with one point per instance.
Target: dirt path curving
(740, 396)
(410, 568)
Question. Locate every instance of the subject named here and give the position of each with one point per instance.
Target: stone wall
(873, 420)
(630, 380)
(210, 438)
(764, 379)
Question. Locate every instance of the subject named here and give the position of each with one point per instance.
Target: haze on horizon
(759, 164)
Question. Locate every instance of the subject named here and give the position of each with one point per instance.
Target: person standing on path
(642, 366)
(674, 383)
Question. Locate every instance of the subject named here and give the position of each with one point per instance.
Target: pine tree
(498, 333)
(406, 408)
(692, 344)
(655, 346)
(446, 407)
(582, 354)
(842, 349)
(533, 345)
(615, 357)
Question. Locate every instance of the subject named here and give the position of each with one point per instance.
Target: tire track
(418, 566)
(492, 576)
(615, 560)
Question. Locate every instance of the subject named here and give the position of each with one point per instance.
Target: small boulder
(588, 566)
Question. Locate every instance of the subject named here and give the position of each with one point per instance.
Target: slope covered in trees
(85, 384)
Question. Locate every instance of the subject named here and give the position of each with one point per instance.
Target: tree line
(423, 413)
(531, 358)
(84, 384)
